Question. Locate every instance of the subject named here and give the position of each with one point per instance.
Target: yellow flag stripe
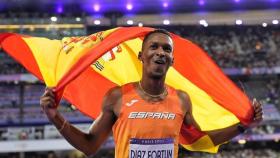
(121, 67)
(44, 51)
(203, 144)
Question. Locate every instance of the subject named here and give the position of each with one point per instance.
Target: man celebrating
(146, 116)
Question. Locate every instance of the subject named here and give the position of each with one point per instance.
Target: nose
(160, 52)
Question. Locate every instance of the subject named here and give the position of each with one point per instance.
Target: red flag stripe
(19, 50)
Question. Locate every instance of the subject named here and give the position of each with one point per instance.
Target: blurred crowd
(265, 129)
(273, 92)
(236, 47)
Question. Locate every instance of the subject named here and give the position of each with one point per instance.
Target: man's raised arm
(221, 135)
(88, 143)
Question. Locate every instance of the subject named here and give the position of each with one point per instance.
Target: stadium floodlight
(129, 6)
(129, 22)
(203, 22)
(166, 22)
(59, 9)
(97, 22)
(53, 19)
(140, 24)
(201, 2)
(275, 22)
(242, 141)
(78, 19)
(264, 24)
(238, 22)
(165, 5)
(96, 7)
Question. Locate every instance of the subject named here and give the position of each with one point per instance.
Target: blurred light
(129, 22)
(264, 24)
(258, 46)
(238, 22)
(53, 18)
(129, 6)
(166, 22)
(276, 140)
(242, 141)
(165, 4)
(78, 19)
(275, 22)
(31, 28)
(97, 22)
(96, 7)
(237, 1)
(59, 9)
(201, 2)
(140, 24)
(203, 22)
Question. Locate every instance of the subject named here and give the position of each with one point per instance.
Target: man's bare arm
(89, 142)
(221, 135)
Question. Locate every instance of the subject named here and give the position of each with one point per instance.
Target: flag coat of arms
(83, 69)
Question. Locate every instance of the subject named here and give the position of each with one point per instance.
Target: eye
(154, 46)
(167, 48)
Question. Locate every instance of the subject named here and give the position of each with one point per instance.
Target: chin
(157, 75)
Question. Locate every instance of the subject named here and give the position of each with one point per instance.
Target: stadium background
(242, 36)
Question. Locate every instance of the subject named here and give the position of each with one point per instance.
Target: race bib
(151, 148)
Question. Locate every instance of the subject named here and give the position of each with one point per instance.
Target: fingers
(48, 98)
(49, 92)
(258, 112)
(258, 115)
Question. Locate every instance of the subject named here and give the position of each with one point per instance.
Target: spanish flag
(83, 69)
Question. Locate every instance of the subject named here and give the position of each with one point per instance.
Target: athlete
(145, 116)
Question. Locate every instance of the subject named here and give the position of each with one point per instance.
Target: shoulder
(184, 100)
(183, 96)
(112, 98)
(114, 93)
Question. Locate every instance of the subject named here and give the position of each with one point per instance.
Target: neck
(153, 86)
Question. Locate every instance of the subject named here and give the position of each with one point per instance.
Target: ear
(140, 56)
(172, 62)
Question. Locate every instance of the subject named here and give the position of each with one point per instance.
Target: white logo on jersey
(131, 102)
(153, 115)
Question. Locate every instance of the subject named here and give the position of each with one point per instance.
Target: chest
(160, 117)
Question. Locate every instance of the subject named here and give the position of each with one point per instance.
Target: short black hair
(163, 31)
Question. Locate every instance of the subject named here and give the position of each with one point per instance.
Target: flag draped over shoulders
(83, 69)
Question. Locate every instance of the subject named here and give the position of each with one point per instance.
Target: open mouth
(159, 61)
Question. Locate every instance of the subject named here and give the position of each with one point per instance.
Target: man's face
(157, 55)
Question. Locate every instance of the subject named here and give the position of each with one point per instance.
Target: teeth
(159, 62)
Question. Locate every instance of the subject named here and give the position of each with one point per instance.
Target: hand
(47, 102)
(258, 113)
